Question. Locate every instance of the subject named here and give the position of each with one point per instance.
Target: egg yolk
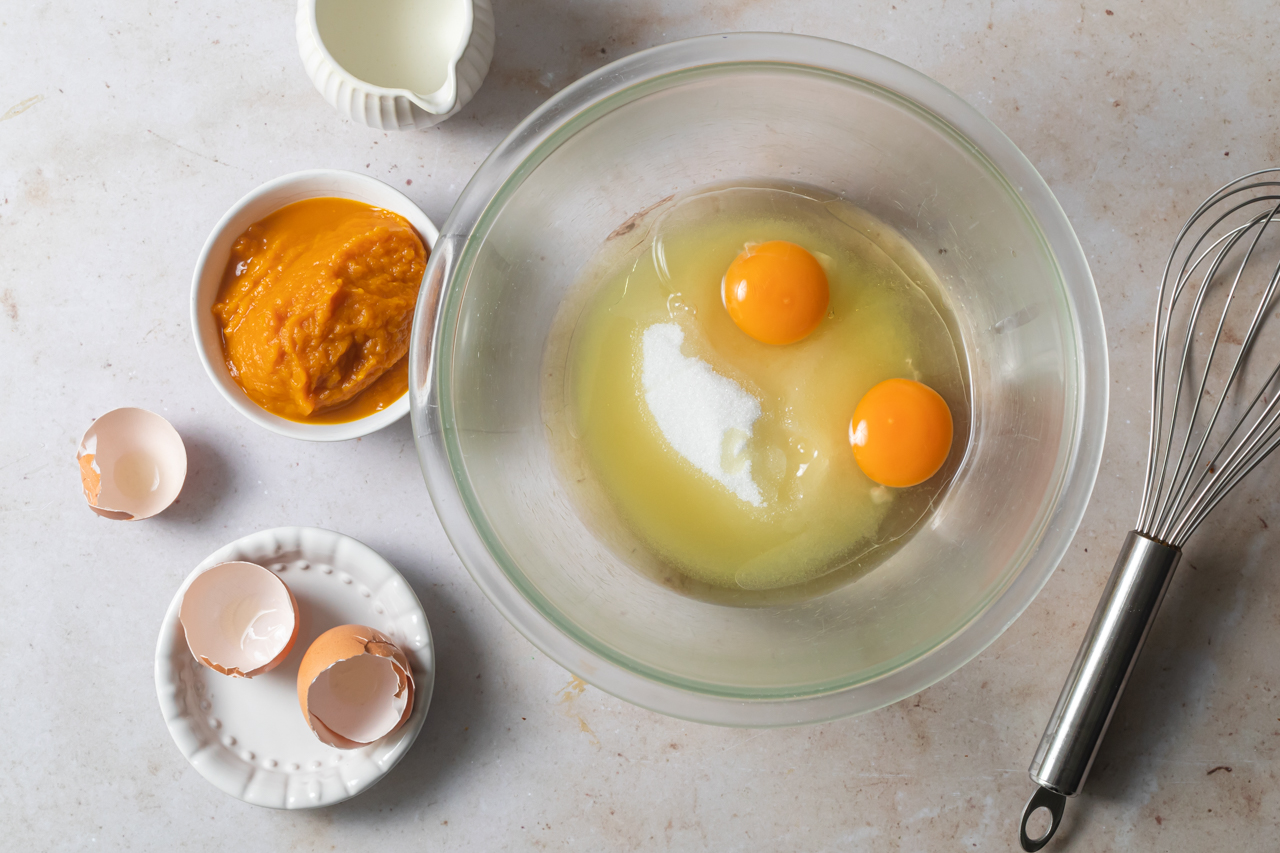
(901, 433)
(776, 292)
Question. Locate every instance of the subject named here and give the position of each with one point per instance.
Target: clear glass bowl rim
(524, 148)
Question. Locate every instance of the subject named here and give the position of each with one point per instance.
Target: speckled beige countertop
(128, 129)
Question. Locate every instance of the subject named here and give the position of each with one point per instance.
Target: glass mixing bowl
(778, 108)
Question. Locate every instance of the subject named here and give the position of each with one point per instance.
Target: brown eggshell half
(239, 618)
(349, 682)
(132, 464)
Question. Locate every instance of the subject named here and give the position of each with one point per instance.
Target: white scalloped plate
(247, 736)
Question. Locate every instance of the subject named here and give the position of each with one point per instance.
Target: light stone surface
(135, 125)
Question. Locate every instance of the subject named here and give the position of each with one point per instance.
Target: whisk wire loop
(1191, 462)
(1162, 505)
(1188, 474)
(1260, 433)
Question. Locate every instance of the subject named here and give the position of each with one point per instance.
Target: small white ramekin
(400, 109)
(261, 202)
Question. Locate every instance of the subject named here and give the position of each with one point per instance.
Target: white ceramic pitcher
(449, 42)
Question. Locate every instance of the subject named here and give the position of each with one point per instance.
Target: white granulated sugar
(707, 418)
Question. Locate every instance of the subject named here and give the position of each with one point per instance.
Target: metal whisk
(1211, 424)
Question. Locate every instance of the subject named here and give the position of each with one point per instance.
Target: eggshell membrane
(347, 658)
(132, 464)
(240, 619)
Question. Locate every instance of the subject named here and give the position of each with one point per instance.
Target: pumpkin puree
(315, 309)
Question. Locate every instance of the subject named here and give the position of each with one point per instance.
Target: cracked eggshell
(240, 619)
(132, 464)
(355, 686)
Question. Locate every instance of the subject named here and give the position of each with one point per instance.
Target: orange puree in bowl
(315, 308)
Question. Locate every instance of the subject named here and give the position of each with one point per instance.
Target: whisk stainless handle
(1098, 677)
